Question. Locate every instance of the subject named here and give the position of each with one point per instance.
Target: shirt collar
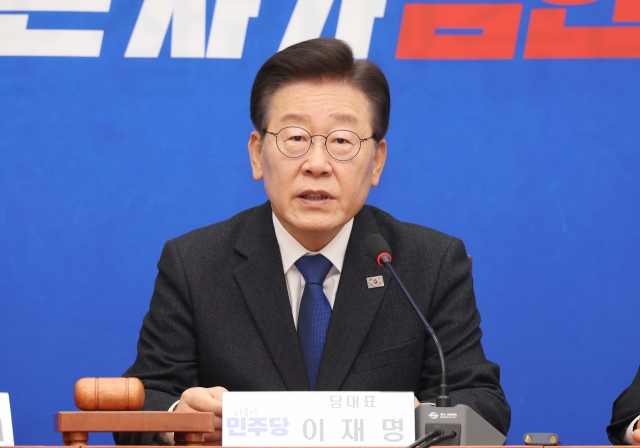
(291, 250)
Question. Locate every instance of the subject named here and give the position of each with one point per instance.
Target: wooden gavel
(112, 405)
(109, 394)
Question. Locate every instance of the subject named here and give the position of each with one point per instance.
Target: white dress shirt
(291, 250)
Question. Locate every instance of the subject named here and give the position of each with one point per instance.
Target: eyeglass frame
(326, 137)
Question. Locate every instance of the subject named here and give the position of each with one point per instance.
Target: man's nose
(318, 157)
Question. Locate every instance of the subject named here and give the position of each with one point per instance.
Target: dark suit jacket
(220, 316)
(625, 409)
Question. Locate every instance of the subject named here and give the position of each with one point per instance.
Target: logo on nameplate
(375, 282)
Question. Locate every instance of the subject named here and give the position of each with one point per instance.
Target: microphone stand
(464, 425)
(443, 399)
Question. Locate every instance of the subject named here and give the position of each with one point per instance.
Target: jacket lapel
(263, 285)
(355, 306)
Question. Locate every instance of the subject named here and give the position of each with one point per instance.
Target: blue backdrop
(118, 132)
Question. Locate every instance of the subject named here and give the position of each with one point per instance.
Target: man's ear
(378, 162)
(255, 154)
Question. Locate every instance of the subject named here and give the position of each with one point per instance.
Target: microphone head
(377, 248)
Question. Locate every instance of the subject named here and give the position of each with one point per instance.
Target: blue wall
(534, 163)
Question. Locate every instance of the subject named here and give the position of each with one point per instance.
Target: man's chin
(318, 228)
(316, 225)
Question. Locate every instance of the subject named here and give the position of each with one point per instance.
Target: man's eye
(341, 141)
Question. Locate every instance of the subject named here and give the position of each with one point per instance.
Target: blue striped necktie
(314, 313)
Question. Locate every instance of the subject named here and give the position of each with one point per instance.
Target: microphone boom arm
(443, 399)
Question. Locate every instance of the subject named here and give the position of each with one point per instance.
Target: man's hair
(320, 60)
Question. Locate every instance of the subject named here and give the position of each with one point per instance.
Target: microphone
(465, 427)
(379, 250)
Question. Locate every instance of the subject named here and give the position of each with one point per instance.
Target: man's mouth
(314, 197)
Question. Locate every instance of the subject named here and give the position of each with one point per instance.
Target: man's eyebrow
(295, 117)
(348, 118)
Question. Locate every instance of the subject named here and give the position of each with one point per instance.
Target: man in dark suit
(239, 305)
(623, 429)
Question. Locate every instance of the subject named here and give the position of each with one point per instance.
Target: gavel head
(109, 394)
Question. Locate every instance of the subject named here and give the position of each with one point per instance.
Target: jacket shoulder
(215, 240)
(409, 235)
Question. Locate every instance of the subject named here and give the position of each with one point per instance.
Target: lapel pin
(375, 282)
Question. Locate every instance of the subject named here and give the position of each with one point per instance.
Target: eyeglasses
(295, 142)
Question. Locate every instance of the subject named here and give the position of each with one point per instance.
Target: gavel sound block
(112, 405)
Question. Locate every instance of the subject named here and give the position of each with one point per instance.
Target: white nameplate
(6, 427)
(318, 419)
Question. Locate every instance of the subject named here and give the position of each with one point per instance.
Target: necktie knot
(314, 268)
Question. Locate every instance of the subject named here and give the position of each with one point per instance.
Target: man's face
(315, 195)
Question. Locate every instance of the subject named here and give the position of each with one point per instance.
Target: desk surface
(403, 446)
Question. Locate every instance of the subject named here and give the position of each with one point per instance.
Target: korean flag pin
(375, 282)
